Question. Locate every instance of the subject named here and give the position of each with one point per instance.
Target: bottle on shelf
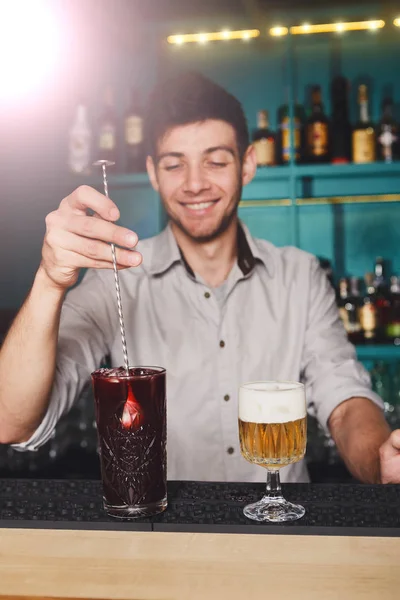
(382, 303)
(284, 134)
(393, 322)
(264, 141)
(107, 129)
(363, 138)
(80, 138)
(387, 135)
(368, 311)
(340, 125)
(317, 130)
(133, 129)
(349, 302)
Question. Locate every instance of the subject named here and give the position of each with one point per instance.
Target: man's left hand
(389, 454)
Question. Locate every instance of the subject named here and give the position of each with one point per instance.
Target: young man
(204, 299)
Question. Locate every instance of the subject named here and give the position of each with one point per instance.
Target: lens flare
(29, 46)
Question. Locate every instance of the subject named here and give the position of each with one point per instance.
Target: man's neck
(212, 260)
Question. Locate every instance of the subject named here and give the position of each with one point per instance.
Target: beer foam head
(271, 402)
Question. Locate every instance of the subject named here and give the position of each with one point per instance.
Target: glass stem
(273, 490)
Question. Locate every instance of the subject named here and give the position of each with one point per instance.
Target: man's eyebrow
(172, 154)
(223, 147)
(208, 151)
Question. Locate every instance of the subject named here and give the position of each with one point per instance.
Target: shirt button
(226, 397)
(207, 295)
(222, 343)
(230, 450)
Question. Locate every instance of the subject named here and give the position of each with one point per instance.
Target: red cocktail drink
(132, 430)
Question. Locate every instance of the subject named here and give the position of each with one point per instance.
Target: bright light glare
(203, 38)
(339, 27)
(278, 31)
(226, 34)
(28, 46)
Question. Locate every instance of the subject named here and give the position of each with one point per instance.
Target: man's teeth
(200, 205)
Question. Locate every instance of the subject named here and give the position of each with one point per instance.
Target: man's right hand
(74, 239)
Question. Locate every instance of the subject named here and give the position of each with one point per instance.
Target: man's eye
(171, 167)
(217, 164)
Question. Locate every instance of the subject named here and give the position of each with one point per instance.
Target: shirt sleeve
(331, 371)
(85, 336)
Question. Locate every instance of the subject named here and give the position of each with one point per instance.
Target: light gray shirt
(276, 320)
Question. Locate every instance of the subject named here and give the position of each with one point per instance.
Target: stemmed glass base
(273, 507)
(275, 510)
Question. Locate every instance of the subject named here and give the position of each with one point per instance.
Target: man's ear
(151, 171)
(249, 166)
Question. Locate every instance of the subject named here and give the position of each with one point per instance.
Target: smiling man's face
(198, 174)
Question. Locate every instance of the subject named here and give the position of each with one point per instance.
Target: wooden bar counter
(56, 542)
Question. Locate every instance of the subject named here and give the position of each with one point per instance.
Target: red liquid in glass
(131, 424)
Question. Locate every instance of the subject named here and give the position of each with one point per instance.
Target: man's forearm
(359, 429)
(27, 361)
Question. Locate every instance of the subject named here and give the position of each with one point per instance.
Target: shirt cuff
(325, 410)
(46, 428)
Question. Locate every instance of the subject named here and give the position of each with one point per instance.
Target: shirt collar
(166, 252)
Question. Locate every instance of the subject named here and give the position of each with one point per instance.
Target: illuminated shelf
(279, 172)
(349, 170)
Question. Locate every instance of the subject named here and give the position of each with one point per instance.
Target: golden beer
(273, 445)
(273, 434)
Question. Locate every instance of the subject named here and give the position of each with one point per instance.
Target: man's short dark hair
(191, 98)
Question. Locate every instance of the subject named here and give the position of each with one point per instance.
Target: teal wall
(257, 72)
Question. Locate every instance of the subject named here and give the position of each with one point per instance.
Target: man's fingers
(391, 447)
(60, 242)
(99, 229)
(85, 197)
(395, 439)
(89, 263)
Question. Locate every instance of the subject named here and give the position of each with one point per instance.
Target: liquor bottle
(363, 138)
(264, 141)
(382, 302)
(284, 130)
(387, 136)
(107, 130)
(80, 136)
(393, 322)
(341, 129)
(134, 144)
(317, 130)
(368, 310)
(355, 303)
(349, 307)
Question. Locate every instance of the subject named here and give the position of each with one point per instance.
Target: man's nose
(195, 180)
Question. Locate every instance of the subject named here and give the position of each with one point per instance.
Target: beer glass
(131, 426)
(273, 434)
